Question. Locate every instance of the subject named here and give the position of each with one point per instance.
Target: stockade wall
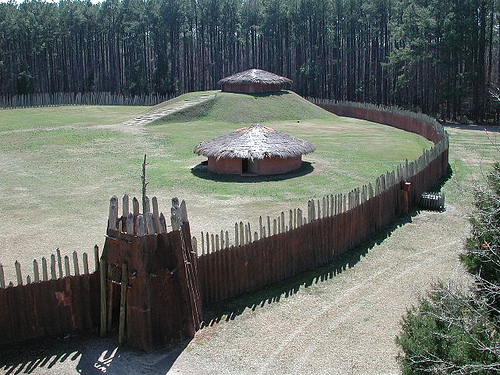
(60, 296)
(89, 98)
(55, 302)
(296, 242)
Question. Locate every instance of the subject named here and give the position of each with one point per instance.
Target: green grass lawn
(60, 166)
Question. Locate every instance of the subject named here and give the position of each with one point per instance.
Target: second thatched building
(256, 149)
(254, 81)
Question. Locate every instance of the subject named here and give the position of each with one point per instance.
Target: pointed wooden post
(310, 206)
(130, 224)
(66, 266)
(163, 223)
(141, 226)
(59, 262)
(36, 272)
(150, 225)
(85, 264)
(96, 258)
(53, 274)
(236, 235)
(2, 277)
(156, 215)
(194, 242)
(202, 244)
(176, 214)
(113, 213)
(184, 213)
(75, 263)
(45, 272)
(242, 234)
(248, 234)
(18, 273)
(135, 206)
(125, 205)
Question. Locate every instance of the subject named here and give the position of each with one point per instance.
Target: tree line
(437, 56)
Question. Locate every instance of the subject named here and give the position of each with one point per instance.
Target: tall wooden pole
(144, 185)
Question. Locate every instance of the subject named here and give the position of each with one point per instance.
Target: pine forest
(440, 57)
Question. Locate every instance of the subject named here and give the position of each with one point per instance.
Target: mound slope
(239, 108)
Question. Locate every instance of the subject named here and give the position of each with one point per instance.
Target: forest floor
(339, 319)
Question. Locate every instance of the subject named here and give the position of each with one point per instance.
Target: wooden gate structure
(149, 286)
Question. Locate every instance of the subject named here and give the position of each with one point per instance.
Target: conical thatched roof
(254, 142)
(255, 76)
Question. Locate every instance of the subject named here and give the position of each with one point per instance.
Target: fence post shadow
(230, 309)
(93, 355)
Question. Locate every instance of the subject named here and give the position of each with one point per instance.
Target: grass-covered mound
(242, 108)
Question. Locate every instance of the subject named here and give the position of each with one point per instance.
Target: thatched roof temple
(255, 149)
(254, 81)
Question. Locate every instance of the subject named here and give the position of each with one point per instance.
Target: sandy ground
(341, 319)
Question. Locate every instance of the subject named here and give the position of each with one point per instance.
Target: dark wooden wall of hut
(251, 88)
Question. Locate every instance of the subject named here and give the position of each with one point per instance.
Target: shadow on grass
(230, 309)
(442, 181)
(201, 171)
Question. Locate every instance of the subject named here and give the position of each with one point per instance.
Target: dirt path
(345, 324)
(136, 125)
(337, 320)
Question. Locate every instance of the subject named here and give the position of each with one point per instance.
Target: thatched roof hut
(255, 149)
(254, 81)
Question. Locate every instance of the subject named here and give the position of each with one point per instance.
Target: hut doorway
(248, 166)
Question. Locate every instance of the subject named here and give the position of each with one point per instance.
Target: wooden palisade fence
(296, 241)
(88, 98)
(60, 297)
(150, 283)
